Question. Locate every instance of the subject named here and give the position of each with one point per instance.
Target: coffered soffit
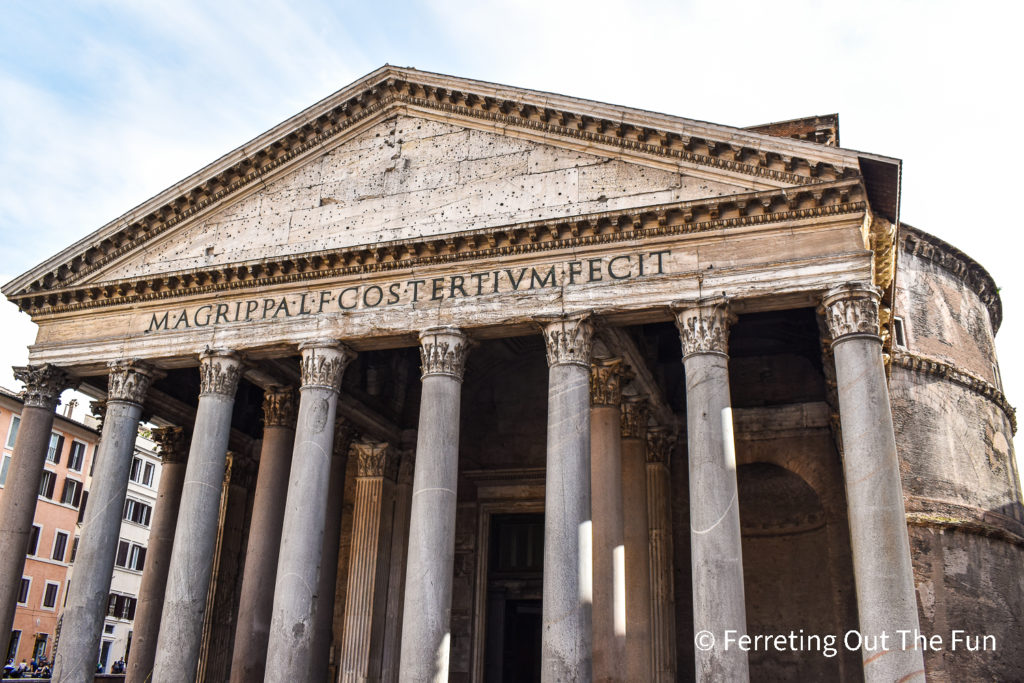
(746, 159)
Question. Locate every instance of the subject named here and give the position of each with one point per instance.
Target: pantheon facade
(460, 381)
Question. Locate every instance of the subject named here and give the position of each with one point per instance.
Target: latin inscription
(415, 290)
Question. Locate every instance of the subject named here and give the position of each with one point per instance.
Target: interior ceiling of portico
(408, 177)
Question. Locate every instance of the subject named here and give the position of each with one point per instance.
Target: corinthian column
(43, 385)
(369, 563)
(195, 536)
(882, 568)
(252, 631)
(87, 597)
(609, 611)
(426, 633)
(716, 552)
(637, 539)
(293, 623)
(659, 515)
(173, 451)
(566, 640)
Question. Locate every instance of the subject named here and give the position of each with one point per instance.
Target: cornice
(675, 218)
(920, 244)
(934, 367)
(617, 128)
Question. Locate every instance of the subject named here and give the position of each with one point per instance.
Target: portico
(595, 386)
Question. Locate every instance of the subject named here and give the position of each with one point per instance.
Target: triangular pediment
(403, 154)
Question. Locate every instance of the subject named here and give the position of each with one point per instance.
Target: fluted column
(369, 563)
(399, 555)
(882, 568)
(292, 626)
(659, 515)
(195, 536)
(566, 640)
(636, 536)
(146, 627)
(323, 635)
(256, 601)
(43, 386)
(86, 606)
(716, 550)
(609, 611)
(426, 621)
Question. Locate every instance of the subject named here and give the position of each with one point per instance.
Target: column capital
(323, 363)
(659, 445)
(129, 381)
(219, 372)
(569, 340)
(443, 351)
(344, 433)
(173, 448)
(406, 466)
(606, 377)
(633, 421)
(375, 459)
(704, 325)
(43, 384)
(851, 309)
(279, 407)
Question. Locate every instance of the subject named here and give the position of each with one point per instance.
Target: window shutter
(142, 559)
(81, 510)
(122, 553)
(51, 483)
(60, 448)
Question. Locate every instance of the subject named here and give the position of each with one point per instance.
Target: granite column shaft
(195, 536)
(256, 602)
(566, 638)
(146, 626)
(426, 620)
(293, 621)
(87, 598)
(636, 538)
(659, 515)
(43, 386)
(716, 548)
(883, 573)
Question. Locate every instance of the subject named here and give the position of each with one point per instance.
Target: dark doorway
(514, 586)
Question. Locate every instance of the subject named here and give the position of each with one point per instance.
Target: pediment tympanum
(409, 177)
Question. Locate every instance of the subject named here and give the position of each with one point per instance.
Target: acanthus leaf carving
(852, 309)
(633, 418)
(129, 381)
(172, 442)
(375, 459)
(704, 326)
(569, 341)
(323, 364)
(219, 372)
(443, 351)
(606, 377)
(43, 385)
(659, 445)
(279, 407)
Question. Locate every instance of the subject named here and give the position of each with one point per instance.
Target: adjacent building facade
(459, 381)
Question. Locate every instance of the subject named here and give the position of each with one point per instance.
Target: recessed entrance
(514, 587)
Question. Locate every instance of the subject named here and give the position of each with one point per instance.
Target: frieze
(606, 376)
(219, 372)
(704, 326)
(375, 459)
(443, 351)
(852, 309)
(172, 442)
(633, 418)
(129, 381)
(678, 218)
(279, 407)
(43, 385)
(323, 364)
(392, 91)
(569, 341)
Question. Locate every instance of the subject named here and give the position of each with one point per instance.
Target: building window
(81, 510)
(142, 472)
(74, 550)
(56, 446)
(130, 556)
(77, 456)
(121, 606)
(12, 435)
(26, 584)
(39, 651)
(4, 466)
(137, 511)
(12, 648)
(60, 546)
(899, 333)
(72, 494)
(47, 484)
(108, 629)
(33, 539)
(50, 595)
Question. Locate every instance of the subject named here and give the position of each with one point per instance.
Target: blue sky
(105, 103)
